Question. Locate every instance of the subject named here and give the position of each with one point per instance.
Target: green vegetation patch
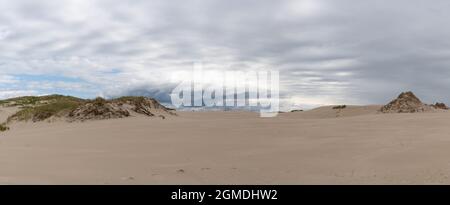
(30, 101)
(43, 112)
(130, 99)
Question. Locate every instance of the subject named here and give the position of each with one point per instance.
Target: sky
(326, 51)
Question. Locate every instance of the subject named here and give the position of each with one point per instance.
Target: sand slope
(231, 148)
(5, 112)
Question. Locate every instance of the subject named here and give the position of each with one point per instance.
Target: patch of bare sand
(231, 148)
(5, 112)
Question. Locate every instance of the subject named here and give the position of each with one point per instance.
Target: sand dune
(232, 148)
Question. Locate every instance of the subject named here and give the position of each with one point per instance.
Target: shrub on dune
(3, 127)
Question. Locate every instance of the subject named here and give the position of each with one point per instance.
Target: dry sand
(5, 112)
(313, 147)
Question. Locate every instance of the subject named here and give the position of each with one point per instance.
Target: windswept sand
(5, 112)
(362, 147)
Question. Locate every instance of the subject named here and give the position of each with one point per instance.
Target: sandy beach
(360, 146)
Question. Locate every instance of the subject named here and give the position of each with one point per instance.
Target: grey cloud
(392, 45)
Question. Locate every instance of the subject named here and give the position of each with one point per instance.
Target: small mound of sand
(406, 102)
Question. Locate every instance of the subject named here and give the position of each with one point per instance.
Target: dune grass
(43, 112)
(99, 101)
(21, 101)
(30, 101)
(129, 99)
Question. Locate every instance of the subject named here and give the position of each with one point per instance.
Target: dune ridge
(67, 108)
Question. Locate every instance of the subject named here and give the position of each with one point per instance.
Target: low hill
(31, 101)
(41, 108)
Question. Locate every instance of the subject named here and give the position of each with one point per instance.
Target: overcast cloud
(327, 51)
